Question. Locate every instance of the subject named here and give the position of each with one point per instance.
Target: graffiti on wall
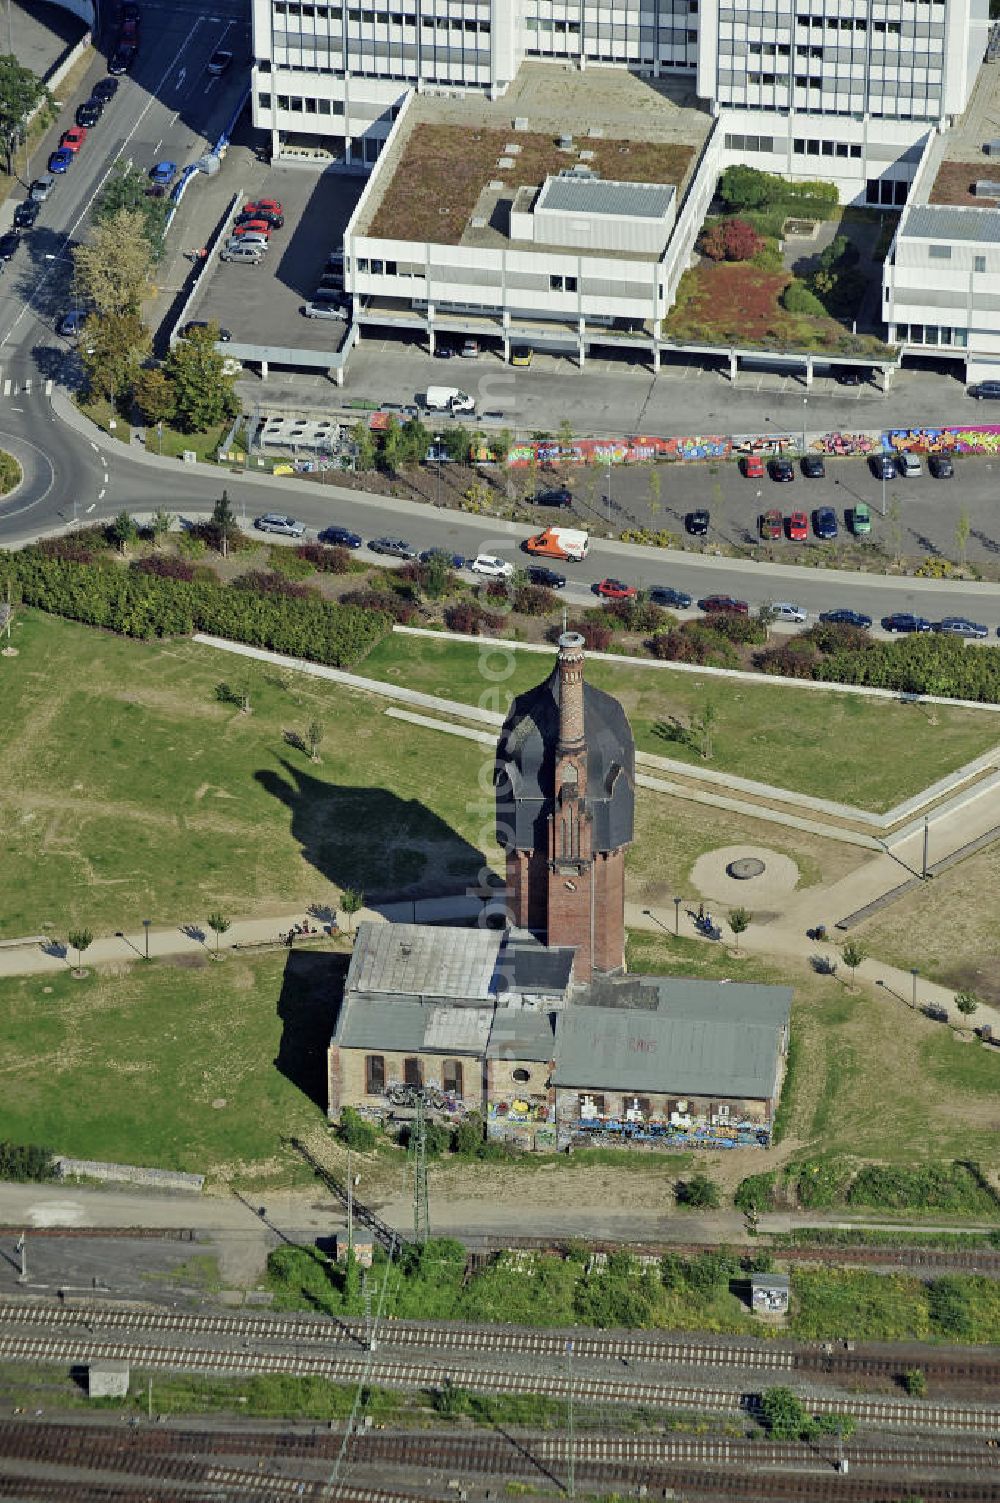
(845, 443)
(637, 449)
(975, 439)
(520, 1110)
(768, 445)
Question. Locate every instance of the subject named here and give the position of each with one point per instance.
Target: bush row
(135, 603)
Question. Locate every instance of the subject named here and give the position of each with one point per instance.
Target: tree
(218, 923)
(314, 735)
(697, 1193)
(565, 434)
(749, 188)
(128, 189)
(740, 920)
(20, 91)
(702, 725)
(457, 443)
(224, 522)
(415, 441)
(112, 347)
(767, 615)
(153, 393)
(783, 1414)
(731, 240)
(963, 528)
(364, 446)
(392, 446)
(914, 1382)
(351, 900)
(966, 1002)
(113, 268)
(501, 444)
(123, 531)
(436, 575)
(160, 525)
(854, 954)
(205, 396)
(80, 940)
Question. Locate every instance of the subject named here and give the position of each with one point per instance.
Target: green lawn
(833, 745)
(204, 1069)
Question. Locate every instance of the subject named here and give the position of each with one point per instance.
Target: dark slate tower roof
(524, 773)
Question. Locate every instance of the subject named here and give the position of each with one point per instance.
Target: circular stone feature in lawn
(773, 876)
(11, 473)
(745, 867)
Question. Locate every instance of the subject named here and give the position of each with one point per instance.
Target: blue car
(825, 523)
(902, 621)
(843, 617)
(163, 174)
(61, 160)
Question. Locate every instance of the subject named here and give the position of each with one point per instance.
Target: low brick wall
(130, 1174)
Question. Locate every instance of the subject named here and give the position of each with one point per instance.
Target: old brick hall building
(538, 1026)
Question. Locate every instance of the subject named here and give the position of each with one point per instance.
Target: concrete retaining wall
(131, 1174)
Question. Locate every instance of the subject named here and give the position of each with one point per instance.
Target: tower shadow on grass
(312, 988)
(369, 838)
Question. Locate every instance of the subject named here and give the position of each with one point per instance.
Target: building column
(809, 371)
(656, 358)
(581, 336)
(430, 336)
(336, 374)
(733, 366)
(275, 143)
(887, 373)
(263, 370)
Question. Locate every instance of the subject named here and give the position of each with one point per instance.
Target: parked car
(105, 90)
(752, 466)
(882, 466)
(271, 204)
(902, 621)
(452, 560)
(787, 610)
(798, 526)
(470, 349)
(341, 537)
(9, 244)
(273, 521)
(941, 466)
(61, 160)
(71, 322)
(394, 547)
(219, 62)
(73, 138)
(325, 310)
(961, 626)
(520, 354)
(254, 242)
(861, 519)
(128, 31)
(723, 605)
(985, 391)
(490, 565)
(252, 229)
(843, 617)
(193, 324)
(89, 112)
(825, 523)
(614, 589)
(163, 173)
(444, 350)
(853, 375)
(813, 467)
(121, 60)
(696, 522)
(781, 469)
(538, 574)
(248, 255)
(771, 525)
(908, 465)
(26, 213)
(273, 218)
(663, 595)
(41, 188)
(557, 496)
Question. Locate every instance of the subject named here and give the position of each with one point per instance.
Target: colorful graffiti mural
(977, 439)
(767, 445)
(665, 1135)
(845, 444)
(637, 449)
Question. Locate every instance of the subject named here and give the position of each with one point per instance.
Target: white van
(449, 399)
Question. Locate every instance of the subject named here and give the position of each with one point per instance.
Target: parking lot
(262, 305)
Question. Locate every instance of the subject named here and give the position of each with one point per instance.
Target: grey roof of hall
(417, 960)
(525, 767)
(526, 965)
(951, 222)
(701, 1038)
(569, 195)
(522, 1033)
(405, 1024)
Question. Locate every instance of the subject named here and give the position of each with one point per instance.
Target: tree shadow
(311, 991)
(674, 730)
(370, 838)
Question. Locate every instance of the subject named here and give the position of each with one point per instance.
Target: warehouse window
(451, 1076)
(374, 1074)
(413, 1073)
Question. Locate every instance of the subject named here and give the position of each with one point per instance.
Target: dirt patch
(953, 184)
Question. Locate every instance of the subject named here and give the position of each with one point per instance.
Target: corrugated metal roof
(686, 996)
(462, 1029)
(949, 222)
(522, 1033)
(408, 1025)
(568, 195)
(423, 961)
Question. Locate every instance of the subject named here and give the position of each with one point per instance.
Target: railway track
(632, 1392)
(626, 1348)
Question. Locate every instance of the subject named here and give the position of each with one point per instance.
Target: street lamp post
(145, 924)
(608, 496)
(927, 836)
(915, 972)
(437, 443)
(805, 412)
(677, 915)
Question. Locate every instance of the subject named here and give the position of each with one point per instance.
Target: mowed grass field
(871, 753)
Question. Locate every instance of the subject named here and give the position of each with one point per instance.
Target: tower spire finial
(571, 729)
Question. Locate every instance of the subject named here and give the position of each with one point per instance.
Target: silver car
(249, 254)
(787, 610)
(272, 521)
(324, 310)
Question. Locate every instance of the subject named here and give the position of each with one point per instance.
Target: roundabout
(27, 474)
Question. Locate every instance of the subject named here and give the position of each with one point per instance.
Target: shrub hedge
(145, 605)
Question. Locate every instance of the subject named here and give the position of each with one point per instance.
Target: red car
(271, 204)
(613, 589)
(724, 604)
(255, 226)
(753, 467)
(798, 526)
(73, 138)
(772, 525)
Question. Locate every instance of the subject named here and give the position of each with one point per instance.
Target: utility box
(769, 1293)
(107, 1380)
(364, 1247)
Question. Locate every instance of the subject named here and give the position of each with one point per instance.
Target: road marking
(48, 388)
(157, 146)
(100, 497)
(6, 388)
(93, 446)
(90, 508)
(105, 477)
(27, 387)
(17, 409)
(111, 167)
(180, 78)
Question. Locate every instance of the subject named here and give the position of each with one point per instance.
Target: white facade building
(844, 90)
(939, 286)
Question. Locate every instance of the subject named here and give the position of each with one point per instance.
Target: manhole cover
(745, 867)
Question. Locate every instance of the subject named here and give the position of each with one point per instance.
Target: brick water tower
(565, 802)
